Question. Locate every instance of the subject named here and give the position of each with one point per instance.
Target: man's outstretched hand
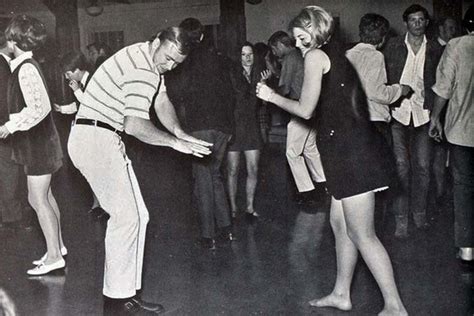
(188, 144)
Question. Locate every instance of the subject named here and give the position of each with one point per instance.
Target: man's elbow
(130, 126)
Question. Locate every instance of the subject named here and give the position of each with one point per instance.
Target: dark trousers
(462, 161)
(209, 191)
(12, 188)
(440, 156)
(412, 148)
(384, 129)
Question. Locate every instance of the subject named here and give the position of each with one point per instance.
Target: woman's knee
(337, 225)
(252, 171)
(232, 170)
(37, 200)
(360, 236)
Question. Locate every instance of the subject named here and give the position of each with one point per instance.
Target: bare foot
(333, 300)
(393, 311)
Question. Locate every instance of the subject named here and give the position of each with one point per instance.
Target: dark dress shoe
(131, 306)
(466, 265)
(253, 215)
(231, 237)
(157, 308)
(226, 237)
(208, 243)
(226, 234)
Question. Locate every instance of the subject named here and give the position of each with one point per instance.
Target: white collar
(17, 61)
(423, 43)
(7, 58)
(442, 42)
(84, 78)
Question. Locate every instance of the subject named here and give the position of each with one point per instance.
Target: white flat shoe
(43, 258)
(466, 253)
(47, 268)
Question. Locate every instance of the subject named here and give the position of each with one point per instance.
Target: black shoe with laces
(152, 307)
(131, 306)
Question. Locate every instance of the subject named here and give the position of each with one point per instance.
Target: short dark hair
(93, 44)
(373, 28)
(248, 44)
(100, 46)
(28, 32)
(282, 37)
(74, 60)
(413, 9)
(177, 36)
(194, 28)
(105, 48)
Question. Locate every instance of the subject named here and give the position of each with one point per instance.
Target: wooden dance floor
(274, 268)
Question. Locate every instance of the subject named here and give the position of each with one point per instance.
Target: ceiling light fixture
(94, 8)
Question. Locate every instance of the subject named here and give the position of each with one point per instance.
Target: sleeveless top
(354, 154)
(38, 146)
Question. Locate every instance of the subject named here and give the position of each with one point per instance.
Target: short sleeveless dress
(355, 157)
(247, 134)
(37, 149)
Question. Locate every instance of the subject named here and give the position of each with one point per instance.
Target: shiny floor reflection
(279, 262)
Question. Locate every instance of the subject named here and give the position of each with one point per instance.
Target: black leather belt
(83, 121)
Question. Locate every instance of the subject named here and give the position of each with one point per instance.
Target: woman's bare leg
(38, 188)
(359, 216)
(346, 257)
(54, 205)
(251, 158)
(233, 159)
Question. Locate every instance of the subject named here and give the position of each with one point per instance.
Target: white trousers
(303, 155)
(100, 156)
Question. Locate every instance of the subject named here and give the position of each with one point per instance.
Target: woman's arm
(36, 98)
(316, 63)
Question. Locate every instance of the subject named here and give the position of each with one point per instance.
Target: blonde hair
(317, 22)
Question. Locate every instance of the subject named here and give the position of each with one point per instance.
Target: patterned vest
(41, 142)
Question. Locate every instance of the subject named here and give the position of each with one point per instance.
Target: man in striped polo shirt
(117, 99)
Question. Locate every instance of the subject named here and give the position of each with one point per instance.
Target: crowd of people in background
(381, 117)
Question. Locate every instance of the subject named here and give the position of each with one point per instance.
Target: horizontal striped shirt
(124, 85)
